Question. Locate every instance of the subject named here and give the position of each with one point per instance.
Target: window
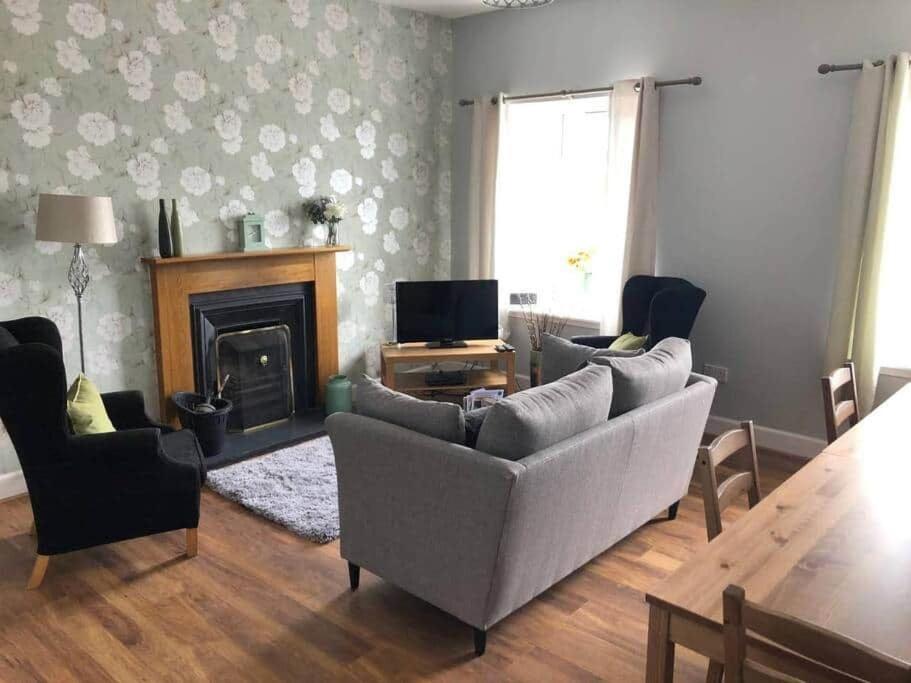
(552, 233)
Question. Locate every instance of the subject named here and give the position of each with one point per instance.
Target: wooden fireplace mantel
(174, 280)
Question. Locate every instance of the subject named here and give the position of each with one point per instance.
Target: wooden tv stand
(500, 375)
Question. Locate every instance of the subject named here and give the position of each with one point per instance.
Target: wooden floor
(260, 604)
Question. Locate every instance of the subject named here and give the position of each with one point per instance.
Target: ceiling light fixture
(516, 4)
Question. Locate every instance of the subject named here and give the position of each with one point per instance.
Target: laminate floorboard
(261, 604)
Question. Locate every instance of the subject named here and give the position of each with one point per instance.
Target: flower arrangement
(581, 261)
(326, 211)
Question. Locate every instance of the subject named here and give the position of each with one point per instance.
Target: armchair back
(33, 392)
(660, 307)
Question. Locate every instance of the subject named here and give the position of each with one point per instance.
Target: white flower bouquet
(326, 211)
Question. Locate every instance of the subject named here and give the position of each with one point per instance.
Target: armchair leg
(354, 575)
(38, 572)
(672, 511)
(480, 641)
(192, 543)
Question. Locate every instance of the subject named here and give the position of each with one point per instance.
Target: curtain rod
(692, 80)
(832, 68)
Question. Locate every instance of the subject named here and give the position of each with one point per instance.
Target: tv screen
(446, 310)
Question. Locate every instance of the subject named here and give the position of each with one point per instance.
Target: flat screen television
(446, 312)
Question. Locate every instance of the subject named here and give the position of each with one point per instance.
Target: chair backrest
(660, 307)
(33, 392)
(716, 497)
(839, 399)
(793, 650)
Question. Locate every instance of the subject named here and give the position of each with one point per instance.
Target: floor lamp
(76, 220)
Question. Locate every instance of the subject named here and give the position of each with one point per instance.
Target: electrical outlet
(719, 372)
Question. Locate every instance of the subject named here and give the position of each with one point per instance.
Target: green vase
(338, 395)
(176, 230)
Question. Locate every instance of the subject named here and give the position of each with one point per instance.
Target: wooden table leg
(660, 659)
(511, 373)
(715, 673)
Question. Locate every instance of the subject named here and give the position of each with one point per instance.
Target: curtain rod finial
(697, 80)
(824, 69)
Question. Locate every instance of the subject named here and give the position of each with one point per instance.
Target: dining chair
(839, 398)
(762, 646)
(716, 497)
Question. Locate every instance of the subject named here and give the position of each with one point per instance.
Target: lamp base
(78, 276)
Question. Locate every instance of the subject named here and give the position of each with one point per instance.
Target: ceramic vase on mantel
(165, 246)
(535, 363)
(176, 230)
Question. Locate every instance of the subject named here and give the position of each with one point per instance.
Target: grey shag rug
(294, 487)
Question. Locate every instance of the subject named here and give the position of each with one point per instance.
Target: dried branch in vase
(538, 323)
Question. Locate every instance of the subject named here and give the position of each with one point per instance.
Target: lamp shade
(71, 218)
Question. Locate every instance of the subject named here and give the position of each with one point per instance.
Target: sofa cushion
(662, 371)
(444, 421)
(85, 408)
(532, 420)
(628, 342)
(473, 421)
(562, 357)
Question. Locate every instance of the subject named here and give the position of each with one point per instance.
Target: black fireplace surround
(217, 313)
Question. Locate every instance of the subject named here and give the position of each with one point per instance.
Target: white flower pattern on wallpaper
(33, 114)
(229, 107)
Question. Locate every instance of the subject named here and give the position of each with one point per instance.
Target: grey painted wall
(750, 161)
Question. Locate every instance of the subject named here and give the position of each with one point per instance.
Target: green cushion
(86, 409)
(628, 342)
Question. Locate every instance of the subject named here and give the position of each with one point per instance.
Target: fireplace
(255, 368)
(262, 340)
(269, 319)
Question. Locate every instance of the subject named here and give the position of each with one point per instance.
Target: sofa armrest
(127, 411)
(596, 341)
(424, 514)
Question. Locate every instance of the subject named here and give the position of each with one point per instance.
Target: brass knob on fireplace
(264, 360)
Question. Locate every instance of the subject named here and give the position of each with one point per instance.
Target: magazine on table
(481, 398)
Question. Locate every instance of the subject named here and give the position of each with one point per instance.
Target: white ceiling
(453, 9)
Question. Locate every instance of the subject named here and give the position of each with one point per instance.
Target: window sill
(572, 322)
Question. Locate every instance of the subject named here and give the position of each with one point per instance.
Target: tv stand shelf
(501, 374)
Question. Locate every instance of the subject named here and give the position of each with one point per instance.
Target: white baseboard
(799, 445)
(11, 485)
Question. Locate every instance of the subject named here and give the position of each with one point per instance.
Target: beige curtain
(632, 189)
(868, 212)
(485, 147)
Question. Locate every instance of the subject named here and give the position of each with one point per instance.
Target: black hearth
(263, 340)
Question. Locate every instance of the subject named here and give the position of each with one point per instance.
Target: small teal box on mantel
(252, 233)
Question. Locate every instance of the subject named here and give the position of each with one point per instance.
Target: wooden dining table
(831, 545)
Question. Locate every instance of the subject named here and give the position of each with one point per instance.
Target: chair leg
(480, 641)
(672, 511)
(38, 572)
(354, 575)
(715, 673)
(192, 542)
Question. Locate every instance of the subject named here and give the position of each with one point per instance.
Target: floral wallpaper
(229, 107)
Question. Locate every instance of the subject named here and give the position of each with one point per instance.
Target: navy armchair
(659, 307)
(90, 490)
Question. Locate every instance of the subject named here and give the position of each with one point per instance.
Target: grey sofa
(479, 536)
